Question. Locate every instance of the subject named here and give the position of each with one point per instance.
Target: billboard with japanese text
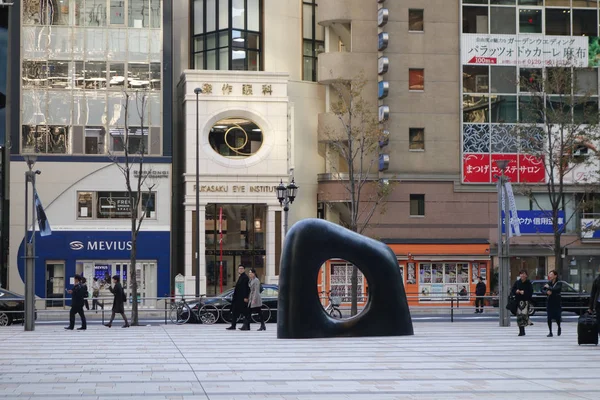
(537, 221)
(527, 50)
(522, 168)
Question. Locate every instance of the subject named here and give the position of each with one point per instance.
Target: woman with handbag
(553, 307)
(522, 290)
(118, 301)
(254, 300)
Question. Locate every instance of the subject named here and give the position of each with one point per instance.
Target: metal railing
(162, 305)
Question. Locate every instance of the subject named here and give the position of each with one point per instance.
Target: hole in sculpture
(335, 288)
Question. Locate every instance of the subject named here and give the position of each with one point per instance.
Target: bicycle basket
(336, 301)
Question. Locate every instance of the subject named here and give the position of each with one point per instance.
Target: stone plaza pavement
(467, 360)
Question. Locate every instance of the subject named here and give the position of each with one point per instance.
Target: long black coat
(595, 294)
(526, 286)
(78, 296)
(553, 306)
(241, 292)
(480, 289)
(118, 303)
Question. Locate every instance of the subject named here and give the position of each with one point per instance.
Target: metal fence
(162, 306)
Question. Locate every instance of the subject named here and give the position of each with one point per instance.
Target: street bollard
(452, 309)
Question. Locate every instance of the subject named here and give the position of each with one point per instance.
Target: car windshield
(6, 294)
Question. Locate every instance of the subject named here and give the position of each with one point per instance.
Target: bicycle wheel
(208, 314)
(226, 313)
(180, 314)
(336, 313)
(266, 313)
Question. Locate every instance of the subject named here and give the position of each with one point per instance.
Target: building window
(113, 205)
(313, 44)
(417, 205)
(94, 139)
(341, 281)
(442, 281)
(45, 139)
(136, 141)
(416, 79)
(416, 137)
(558, 21)
(530, 20)
(475, 19)
(415, 20)
(235, 138)
(227, 35)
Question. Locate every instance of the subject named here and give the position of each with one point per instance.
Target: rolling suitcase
(587, 329)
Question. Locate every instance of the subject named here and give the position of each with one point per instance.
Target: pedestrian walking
(118, 301)
(255, 301)
(239, 301)
(86, 294)
(522, 290)
(95, 294)
(479, 293)
(77, 302)
(553, 307)
(595, 299)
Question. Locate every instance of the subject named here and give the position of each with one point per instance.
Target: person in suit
(479, 293)
(86, 294)
(239, 302)
(523, 291)
(255, 300)
(77, 301)
(118, 301)
(552, 289)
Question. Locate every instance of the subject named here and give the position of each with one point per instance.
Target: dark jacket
(119, 293)
(553, 307)
(480, 289)
(595, 294)
(78, 296)
(526, 286)
(241, 291)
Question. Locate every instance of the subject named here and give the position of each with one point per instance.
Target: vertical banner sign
(514, 217)
(221, 249)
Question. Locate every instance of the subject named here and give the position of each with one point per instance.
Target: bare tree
(129, 156)
(561, 129)
(353, 146)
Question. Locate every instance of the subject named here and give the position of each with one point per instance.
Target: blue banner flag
(41, 217)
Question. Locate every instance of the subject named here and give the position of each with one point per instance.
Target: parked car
(571, 299)
(223, 303)
(10, 302)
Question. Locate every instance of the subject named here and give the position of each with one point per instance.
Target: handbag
(512, 304)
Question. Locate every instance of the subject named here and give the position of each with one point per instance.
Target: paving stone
(466, 360)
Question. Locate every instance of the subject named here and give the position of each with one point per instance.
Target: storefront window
(45, 139)
(442, 281)
(227, 35)
(113, 205)
(341, 281)
(85, 201)
(235, 138)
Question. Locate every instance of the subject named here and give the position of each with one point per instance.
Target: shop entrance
(235, 234)
(55, 283)
(104, 271)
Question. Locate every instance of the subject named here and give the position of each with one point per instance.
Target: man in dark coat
(239, 302)
(479, 293)
(77, 302)
(595, 299)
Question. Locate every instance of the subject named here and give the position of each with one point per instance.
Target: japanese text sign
(537, 221)
(522, 168)
(525, 50)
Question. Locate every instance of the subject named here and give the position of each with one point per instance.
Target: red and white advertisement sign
(522, 168)
(525, 50)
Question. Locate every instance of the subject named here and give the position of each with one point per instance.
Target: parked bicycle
(333, 308)
(181, 313)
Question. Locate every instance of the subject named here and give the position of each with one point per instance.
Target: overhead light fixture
(256, 130)
(219, 127)
(239, 39)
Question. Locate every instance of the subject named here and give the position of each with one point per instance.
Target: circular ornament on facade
(235, 138)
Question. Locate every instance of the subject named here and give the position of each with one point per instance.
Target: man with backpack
(79, 293)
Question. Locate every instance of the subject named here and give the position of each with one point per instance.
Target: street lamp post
(503, 247)
(30, 245)
(197, 91)
(286, 196)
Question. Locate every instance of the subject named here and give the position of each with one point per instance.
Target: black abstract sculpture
(300, 315)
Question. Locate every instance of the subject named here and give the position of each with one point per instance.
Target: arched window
(227, 35)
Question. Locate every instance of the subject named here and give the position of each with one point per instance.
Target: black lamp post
(30, 174)
(197, 91)
(286, 196)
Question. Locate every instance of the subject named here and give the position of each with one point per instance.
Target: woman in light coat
(254, 299)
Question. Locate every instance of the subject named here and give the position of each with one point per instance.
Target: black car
(571, 299)
(12, 307)
(222, 303)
